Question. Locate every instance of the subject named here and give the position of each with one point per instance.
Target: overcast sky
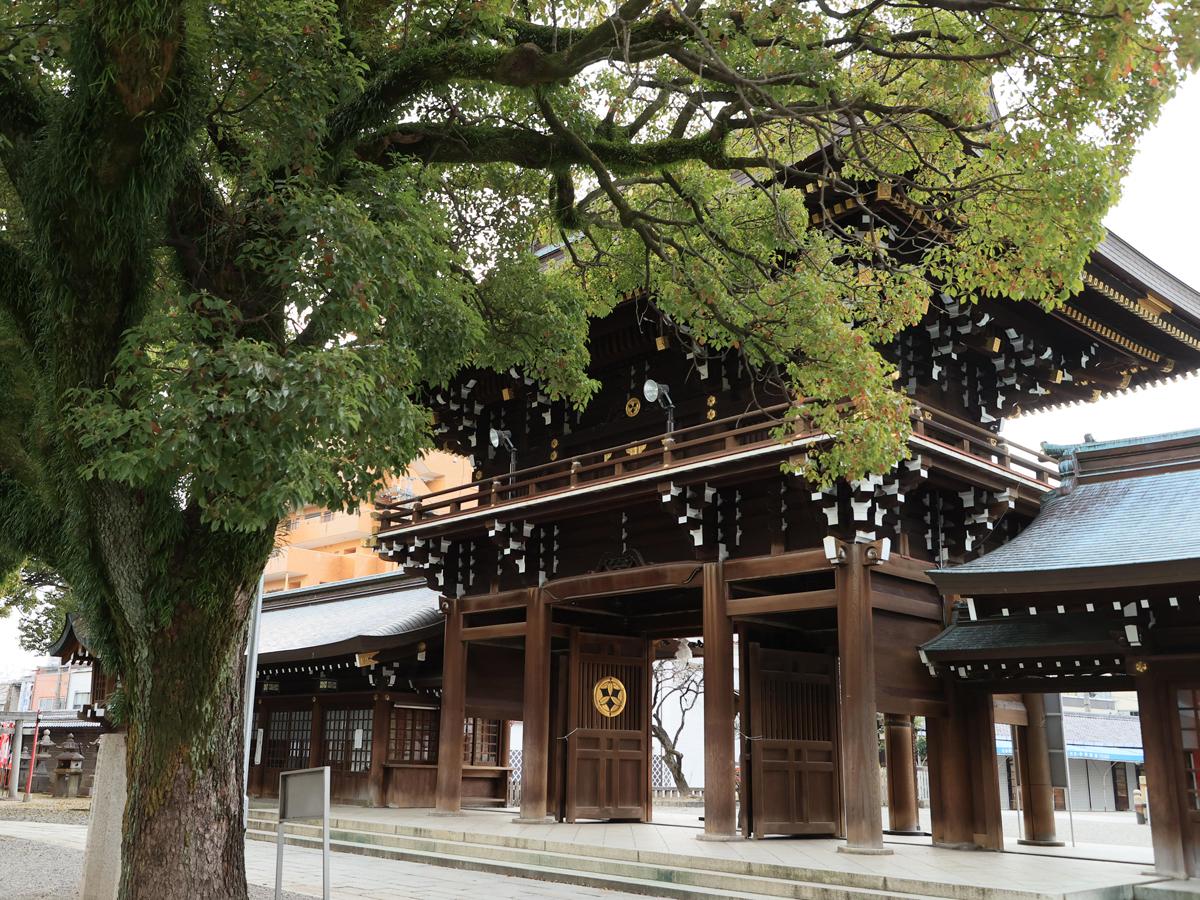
(1155, 215)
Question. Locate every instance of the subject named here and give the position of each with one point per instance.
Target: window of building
(289, 736)
(46, 703)
(1189, 726)
(348, 739)
(413, 735)
(81, 699)
(481, 742)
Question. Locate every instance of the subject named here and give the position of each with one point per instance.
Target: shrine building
(589, 540)
(960, 585)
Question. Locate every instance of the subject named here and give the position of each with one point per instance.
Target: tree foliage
(237, 237)
(42, 600)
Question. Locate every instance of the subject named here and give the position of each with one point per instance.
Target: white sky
(1154, 215)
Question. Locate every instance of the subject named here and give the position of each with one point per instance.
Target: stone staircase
(648, 873)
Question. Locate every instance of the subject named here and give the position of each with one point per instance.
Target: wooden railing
(709, 440)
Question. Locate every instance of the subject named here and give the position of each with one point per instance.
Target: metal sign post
(248, 698)
(304, 794)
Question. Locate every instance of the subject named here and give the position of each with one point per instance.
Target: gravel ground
(37, 871)
(34, 812)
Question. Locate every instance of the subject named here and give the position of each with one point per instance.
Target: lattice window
(348, 739)
(289, 733)
(413, 735)
(481, 742)
(1189, 726)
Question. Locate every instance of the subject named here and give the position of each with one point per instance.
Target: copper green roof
(1060, 450)
(1014, 637)
(1116, 533)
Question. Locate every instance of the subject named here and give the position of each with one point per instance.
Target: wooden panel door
(794, 784)
(286, 745)
(608, 755)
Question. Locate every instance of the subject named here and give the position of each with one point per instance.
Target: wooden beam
(720, 799)
(492, 602)
(781, 603)
(492, 632)
(1009, 712)
(626, 581)
(792, 563)
(907, 606)
(908, 568)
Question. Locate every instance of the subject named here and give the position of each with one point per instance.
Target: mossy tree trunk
(182, 598)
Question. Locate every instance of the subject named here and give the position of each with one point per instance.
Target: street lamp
(655, 392)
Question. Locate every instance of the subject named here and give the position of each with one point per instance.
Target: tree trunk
(183, 835)
(672, 758)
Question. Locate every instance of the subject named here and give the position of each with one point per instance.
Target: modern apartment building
(317, 546)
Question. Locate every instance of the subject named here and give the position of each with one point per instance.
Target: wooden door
(286, 745)
(346, 744)
(608, 738)
(794, 785)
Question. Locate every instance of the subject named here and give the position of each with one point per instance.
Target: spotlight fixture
(504, 438)
(655, 392)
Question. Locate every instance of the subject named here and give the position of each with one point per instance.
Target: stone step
(1168, 890)
(653, 881)
(718, 873)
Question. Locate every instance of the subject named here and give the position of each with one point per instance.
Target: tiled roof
(1060, 450)
(1094, 730)
(1155, 278)
(1131, 524)
(343, 625)
(1039, 633)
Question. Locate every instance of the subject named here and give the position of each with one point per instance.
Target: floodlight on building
(656, 392)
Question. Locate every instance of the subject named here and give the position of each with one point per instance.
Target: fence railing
(707, 441)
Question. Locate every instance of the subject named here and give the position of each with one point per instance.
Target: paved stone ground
(37, 871)
(42, 861)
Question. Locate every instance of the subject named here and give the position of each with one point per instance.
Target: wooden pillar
(448, 796)
(379, 745)
(964, 781)
(1172, 856)
(720, 793)
(535, 734)
(316, 733)
(1033, 763)
(903, 817)
(860, 735)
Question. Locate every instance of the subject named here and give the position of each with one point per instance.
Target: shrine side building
(663, 510)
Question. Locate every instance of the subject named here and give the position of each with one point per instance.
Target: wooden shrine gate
(794, 785)
(608, 729)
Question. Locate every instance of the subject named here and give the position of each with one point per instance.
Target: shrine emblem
(608, 696)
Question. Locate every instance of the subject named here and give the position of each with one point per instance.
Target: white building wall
(80, 684)
(1002, 766)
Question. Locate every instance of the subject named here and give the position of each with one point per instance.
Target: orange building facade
(316, 546)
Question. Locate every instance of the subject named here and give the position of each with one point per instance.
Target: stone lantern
(69, 772)
(43, 771)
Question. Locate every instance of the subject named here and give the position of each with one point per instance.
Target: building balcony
(753, 441)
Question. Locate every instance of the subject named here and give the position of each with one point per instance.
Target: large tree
(238, 236)
(42, 600)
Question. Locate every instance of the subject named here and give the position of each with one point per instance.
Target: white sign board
(304, 794)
